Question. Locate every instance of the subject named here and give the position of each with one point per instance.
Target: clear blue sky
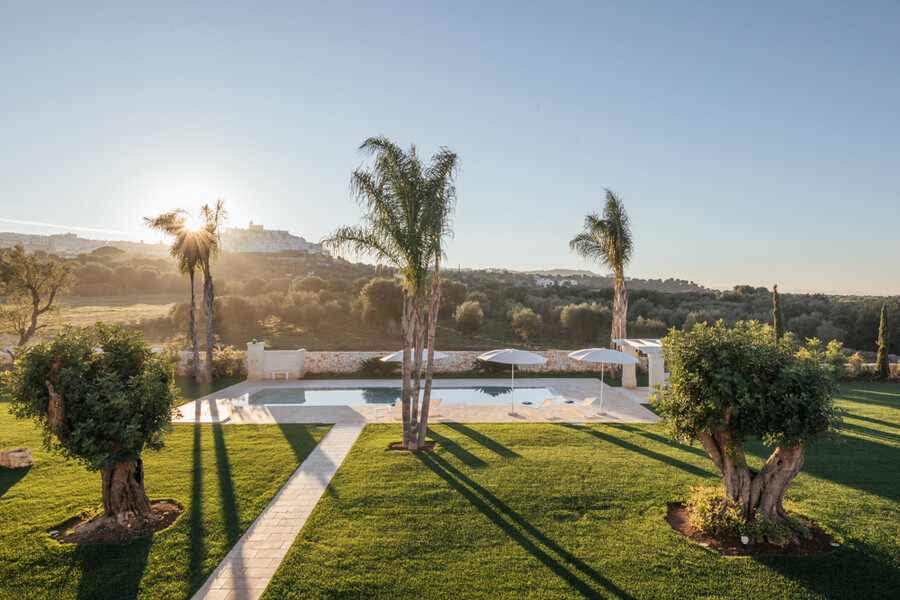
(751, 142)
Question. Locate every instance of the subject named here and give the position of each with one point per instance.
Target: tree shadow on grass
(855, 571)
(661, 439)
(582, 577)
(196, 546)
(483, 440)
(298, 437)
(884, 436)
(854, 417)
(10, 477)
(461, 454)
(111, 571)
(672, 462)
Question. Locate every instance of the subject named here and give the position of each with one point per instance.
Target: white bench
(286, 374)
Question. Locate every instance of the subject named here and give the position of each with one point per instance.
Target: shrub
(468, 317)
(525, 322)
(228, 362)
(375, 367)
(713, 514)
(585, 320)
(487, 367)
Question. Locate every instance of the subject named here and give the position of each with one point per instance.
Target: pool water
(381, 395)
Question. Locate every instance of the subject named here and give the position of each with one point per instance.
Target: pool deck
(620, 405)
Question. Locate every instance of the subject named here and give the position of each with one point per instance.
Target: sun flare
(193, 224)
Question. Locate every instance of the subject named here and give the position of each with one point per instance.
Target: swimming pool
(386, 395)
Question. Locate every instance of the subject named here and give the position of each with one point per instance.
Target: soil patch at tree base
(104, 530)
(819, 542)
(398, 447)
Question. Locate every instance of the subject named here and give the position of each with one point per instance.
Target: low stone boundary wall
(457, 361)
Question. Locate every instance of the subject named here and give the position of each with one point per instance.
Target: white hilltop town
(255, 238)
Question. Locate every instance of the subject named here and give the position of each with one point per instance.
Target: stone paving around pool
(620, 405)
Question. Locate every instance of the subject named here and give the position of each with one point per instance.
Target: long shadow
(298, 437)
(461, 454)
(856, 417)
(226, 487)
(886, 436)
(480, 438)
(196, 549)
(841, 464)
(112, 572)
(673, 462)
(582, 577)
(855, 571)
(660, 439)
(10, 477)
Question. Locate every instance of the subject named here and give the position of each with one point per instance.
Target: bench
(286, 374)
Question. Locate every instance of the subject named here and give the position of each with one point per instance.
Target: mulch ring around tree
(103, 530)
(398, 447)
(819, 541)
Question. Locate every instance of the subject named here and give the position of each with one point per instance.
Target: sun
(192, 224)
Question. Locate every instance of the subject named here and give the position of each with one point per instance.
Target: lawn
(223, 475)
(559, 511)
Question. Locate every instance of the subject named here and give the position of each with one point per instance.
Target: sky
(751, 143)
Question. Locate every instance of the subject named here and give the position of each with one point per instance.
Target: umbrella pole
(512, 391)
(600, 412)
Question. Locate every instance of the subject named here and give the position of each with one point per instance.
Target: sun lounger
(538, 412)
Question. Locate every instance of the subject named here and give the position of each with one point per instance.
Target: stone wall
(457, 361)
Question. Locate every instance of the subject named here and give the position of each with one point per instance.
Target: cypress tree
(776, 311)
(882, 370)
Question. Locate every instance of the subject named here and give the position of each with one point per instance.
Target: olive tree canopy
(731, 386)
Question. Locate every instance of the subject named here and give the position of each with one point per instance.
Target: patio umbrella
(398, 356)
(604, 356)
(509, 356)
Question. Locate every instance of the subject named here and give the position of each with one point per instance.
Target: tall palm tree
(187, 249)
(608, 240)
(407, 210)
(213, 219)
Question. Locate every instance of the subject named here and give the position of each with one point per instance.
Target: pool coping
(621, 406)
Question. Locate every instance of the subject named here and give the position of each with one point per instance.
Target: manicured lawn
(223, 475)
(559, 511)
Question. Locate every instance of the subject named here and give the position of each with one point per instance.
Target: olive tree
(468, 316)
(728, 387)
(101, 397)
(30, 282)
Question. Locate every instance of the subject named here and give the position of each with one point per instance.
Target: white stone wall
(456, 361)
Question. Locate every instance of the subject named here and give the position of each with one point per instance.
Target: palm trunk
(419, 337)
(198, 375)
(208, 297)
(760, 495)
(123, 491)
(406, 333)
(434, 303)
(620, 308)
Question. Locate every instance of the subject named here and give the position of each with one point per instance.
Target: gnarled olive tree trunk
(124, 497)
(758, 493)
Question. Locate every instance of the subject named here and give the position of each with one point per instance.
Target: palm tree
(187, 248)
(608, 240)
(406, 218)
(213, 219)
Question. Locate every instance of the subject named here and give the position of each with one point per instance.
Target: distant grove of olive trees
(321, 302)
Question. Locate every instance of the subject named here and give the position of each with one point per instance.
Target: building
(257, 238)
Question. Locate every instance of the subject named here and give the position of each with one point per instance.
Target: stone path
(247, 569)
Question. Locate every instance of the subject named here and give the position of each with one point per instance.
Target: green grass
(223, 475)
(558, 511)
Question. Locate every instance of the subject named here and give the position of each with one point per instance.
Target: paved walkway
(247, 569)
